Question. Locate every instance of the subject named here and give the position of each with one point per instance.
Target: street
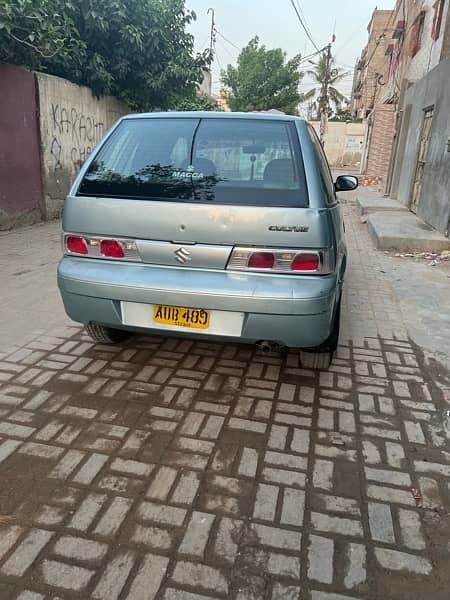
(176, 470)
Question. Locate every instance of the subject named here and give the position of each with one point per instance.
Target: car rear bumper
(293, 310)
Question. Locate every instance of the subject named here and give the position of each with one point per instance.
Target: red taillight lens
(261, 260)
(111, 248)
(77, 245)
(307, 261)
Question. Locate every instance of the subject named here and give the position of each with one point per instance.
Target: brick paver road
(176, 470)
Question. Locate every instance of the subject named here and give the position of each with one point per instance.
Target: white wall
(343, 143)
(72, 122)
(429, 53)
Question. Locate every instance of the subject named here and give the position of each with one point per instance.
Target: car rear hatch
(204, 193)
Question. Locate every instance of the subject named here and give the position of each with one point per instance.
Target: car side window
(324, 169)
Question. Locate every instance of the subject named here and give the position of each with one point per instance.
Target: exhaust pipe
(267, 347)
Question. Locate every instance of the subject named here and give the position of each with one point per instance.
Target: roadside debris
(417, 497)
(6, 520)
(435, 258)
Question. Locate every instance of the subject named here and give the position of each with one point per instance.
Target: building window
(437, 18)
(416, 34)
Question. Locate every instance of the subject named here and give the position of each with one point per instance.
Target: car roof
(215, 115)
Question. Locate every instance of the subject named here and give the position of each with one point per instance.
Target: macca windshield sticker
(189, 173)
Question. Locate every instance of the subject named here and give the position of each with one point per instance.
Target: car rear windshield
(223, 161)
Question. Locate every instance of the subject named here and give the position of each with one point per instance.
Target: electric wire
(303, 25)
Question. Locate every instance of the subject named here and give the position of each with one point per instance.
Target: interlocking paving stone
(8, 538)
(148, 578)
(80, 549)
(114, 576)
(380, 521)
(357, 562)
(114, 516)
(401, 561)
(340, 525)
(27, 552)
(153, 537)
(266, 502)
(411, 530)
(87, 511)
(197, 534)
(62, 575)
(293, 508)
(202, 576)
(320, 559)
(165, 515)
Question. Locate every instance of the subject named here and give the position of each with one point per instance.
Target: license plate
(195, 318)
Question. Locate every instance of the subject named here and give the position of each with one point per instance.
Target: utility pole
(212, 39)
(324, 101)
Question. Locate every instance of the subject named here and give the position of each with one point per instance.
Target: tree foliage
(199, 102)
(319, 75)
(263, 79)
(344, 115)
(136, 50)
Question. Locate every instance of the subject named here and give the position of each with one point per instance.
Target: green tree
(319, 73)
(343, 114)
(263, 79)
(200, 102)
(136, 50)
(34, 31)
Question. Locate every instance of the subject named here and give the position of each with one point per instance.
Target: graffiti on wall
(74, 135)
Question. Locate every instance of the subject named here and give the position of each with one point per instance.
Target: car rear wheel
(108, 335)
(320, 357)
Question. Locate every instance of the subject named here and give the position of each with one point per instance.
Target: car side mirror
(346, 183)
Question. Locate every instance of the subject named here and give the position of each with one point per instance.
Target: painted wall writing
(85, 131)
(72, 122)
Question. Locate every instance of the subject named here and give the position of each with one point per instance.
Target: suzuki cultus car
(221, 226)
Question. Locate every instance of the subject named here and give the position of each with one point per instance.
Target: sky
(277, 26)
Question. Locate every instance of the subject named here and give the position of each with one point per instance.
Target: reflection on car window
(247, 153)
(324, 169)
(208, 160)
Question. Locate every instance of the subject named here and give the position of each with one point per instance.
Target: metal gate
(423, 147)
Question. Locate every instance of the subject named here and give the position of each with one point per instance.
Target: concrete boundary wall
(343, 143)
(72, 122)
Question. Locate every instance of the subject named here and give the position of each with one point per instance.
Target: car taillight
(111, 248)
(76, 244)
(261, 260)
(100, 247)
(307, 261)
(280, 260)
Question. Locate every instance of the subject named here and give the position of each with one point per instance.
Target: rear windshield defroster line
(223, 161)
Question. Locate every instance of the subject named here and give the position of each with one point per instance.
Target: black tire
(321, 356)
(106, 335)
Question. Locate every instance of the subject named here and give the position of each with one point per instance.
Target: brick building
(370, 67)
(415, 44)
(404, 46)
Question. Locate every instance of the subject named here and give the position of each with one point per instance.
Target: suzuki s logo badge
(182, 255)
(289, 228)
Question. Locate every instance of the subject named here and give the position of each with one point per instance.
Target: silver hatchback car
(221, 226)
